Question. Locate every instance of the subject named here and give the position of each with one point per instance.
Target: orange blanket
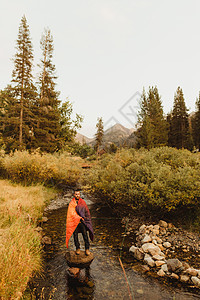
(73, 220)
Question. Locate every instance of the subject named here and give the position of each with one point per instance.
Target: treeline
(178, 129)
(31, 113)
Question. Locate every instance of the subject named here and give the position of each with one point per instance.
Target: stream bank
(105, 277)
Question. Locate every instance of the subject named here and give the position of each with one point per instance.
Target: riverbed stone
(138, 254)
(174, 276)
(155, 231)
(167, 244)
(163, 224)
(142, 229)
(196, 281)
(185, 265)
(146, 246)
(154, 250)
(173, 264)
(146, 239)
(191, 272)
(161, 273)
(184, 278)
(132, 249)
(156, 227)
(79, 261)
(158, 257)
(159, 263)
(164, 267)
(149, 261)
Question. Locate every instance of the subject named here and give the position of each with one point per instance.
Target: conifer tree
(24, 91)
(153, 128)
(179, 135)
(48, 127)
(196, 124)
(99, 134)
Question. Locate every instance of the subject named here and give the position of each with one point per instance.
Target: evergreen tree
(24, 91)
(179, 135)
(196, 125)
(68, 126)
(99, 135)
(153, 128)
(48, 127)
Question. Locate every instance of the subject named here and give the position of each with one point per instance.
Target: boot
(87, 252)
(78, 251)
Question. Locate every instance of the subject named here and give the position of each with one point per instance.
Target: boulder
(154, 250)
(139, 254)
(78, 261)
(146, 246)
(132, 249)
(144, 268)
(173, 264)
(196, 281)
(146, 239)
(191, 272)
(163, 224)
(149, 261)
(184, 278)
(161, 273)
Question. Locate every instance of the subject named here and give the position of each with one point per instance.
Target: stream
(105, 278)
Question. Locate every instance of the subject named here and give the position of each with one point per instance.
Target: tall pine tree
(99, 135)
(49, 125)
(153, 128)
(179, 135)
(196, 124)
(23, 89)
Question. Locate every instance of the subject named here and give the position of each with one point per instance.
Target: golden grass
(20, 250)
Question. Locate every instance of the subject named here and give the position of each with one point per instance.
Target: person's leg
(85, 236)
(76, 241)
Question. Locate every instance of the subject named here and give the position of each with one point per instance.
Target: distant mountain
(82, 139)
(117, 134)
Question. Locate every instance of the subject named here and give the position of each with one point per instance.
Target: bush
(163, 178)
(36, 168)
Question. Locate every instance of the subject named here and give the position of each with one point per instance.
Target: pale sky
(108, 50)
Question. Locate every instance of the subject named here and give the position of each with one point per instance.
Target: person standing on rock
(79, 221)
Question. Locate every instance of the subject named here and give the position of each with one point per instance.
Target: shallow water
(105, 278)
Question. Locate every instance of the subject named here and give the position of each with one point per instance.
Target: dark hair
(77, 190)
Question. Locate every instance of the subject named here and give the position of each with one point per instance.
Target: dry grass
(20, 250)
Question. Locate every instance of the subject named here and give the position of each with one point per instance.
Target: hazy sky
(108, 50)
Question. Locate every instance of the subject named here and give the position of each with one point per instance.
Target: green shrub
(163, 178)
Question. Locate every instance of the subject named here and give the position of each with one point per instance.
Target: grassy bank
(161, 179)
(20, 250)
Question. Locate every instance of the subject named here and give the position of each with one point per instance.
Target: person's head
(77, 194)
